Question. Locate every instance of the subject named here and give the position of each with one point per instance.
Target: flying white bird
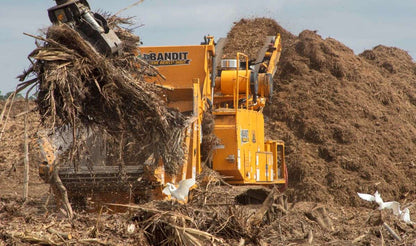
(393, 205)
(180, 193)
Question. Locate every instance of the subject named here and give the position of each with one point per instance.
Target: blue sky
(360, 24)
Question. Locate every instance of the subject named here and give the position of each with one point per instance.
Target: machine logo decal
(167, 58)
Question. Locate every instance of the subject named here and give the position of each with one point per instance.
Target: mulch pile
(347, 121)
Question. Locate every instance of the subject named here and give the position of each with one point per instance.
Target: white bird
(131, 228)
(393, 205)
(180, 193)
(404, 215)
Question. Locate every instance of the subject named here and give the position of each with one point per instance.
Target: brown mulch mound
(347, 119)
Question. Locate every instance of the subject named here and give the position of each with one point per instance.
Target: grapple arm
(92, 26)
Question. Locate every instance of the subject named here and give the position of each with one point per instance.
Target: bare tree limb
(392, 232)
(26, 158)
(61, 192)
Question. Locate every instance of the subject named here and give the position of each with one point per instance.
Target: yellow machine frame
(192, 86)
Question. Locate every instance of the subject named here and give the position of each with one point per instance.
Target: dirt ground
(348, 122)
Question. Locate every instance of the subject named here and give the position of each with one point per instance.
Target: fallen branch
(34, 239)
(196, 237)
(310, 237)
(326, 219)
(280, 208)
(392, 232)
(218, 204)
(61, 192)
(10, 101)
(26, 155)
(359, 238)
(320, 216)
(64, 235)
(151, 210)
(25, 112)
(88, 241)
(257, 218)
(382, 238)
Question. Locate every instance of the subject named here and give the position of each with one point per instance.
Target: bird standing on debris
(180, 193)
(131, 228)
(405, 216)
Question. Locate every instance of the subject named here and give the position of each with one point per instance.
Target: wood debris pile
(77, 86)
(213, 217)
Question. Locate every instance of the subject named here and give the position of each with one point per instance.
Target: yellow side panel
(243, 156)
(242, 136)
(179, 64)
(225, 158)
